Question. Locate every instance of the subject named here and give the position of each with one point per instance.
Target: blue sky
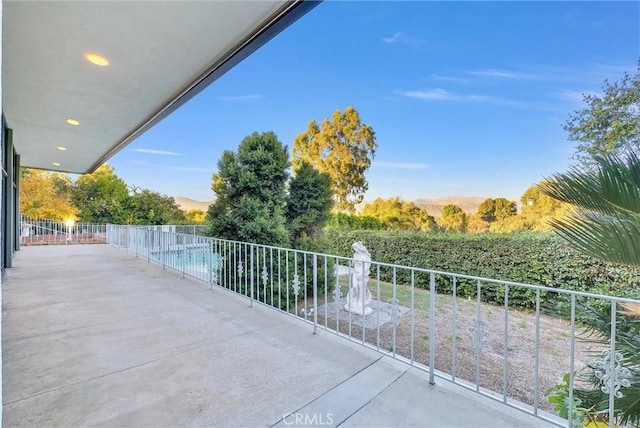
(466, 98)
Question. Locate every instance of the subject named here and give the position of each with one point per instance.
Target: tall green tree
(101, 197)
(605, 223)
(453, 218)
(309, 202)
(505, 208)
(148, 207)
(498, 209)
(487, 210)
(250, 192)
(343, 147)
(539, 209)
(46, 195)
(610, 124)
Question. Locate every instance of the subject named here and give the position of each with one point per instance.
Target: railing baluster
(413, 308)
(273, 303)
(286, 256)
(536, 374)
(432, 328)
(304, 276)
(505, 347)
(315, 293)
(279, 279)
(572, 358)
(251, 269)
(211, 261)
(326, 290)
(478, 332)
(612, 368)
(379, 302)
(454, 339)
(184, 253)
(395, 309)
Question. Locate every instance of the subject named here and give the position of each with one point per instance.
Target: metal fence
(504, 340)
(50, 232)
(53, 232)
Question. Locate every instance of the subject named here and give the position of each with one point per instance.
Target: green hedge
(540, 259)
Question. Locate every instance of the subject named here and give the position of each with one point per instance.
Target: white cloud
(504, 74)
(404, 39)
(393, 39)
(574, 96)
(439, 94)
(252, 97)
(157, 152)
(613, 71)
(451, 79)
(402, 165)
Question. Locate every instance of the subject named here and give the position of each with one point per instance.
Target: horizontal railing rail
(505, 340)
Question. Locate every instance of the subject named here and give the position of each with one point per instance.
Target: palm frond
(613, 188)
(630, 402)
(631, 309)
(612, 238)
(605, 224)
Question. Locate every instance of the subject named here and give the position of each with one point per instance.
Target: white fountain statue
(359, 295)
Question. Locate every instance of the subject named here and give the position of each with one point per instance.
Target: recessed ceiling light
(97, 59)
(73, 122)
(55, 163)
(61, 148)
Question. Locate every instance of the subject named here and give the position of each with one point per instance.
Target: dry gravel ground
(454, 344)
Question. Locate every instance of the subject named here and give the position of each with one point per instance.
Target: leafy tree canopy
(309, 202)
(46, 195)
(196, 216)
(250, 190)
(343, 147)
(101, 197)
(149, 207)
(610, 124)
(453, 218)
(491, 210)
(398, 214)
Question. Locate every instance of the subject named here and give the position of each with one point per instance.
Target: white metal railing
(51, 232)
(54, 232)
(437, 321)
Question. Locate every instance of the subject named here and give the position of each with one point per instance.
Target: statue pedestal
(358, 309)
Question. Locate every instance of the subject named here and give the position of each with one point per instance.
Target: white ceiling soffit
(160, 55)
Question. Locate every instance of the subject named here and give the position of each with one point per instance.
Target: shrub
(531, 258)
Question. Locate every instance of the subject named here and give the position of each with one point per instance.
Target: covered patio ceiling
(70, 111)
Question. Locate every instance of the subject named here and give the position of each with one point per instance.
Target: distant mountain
(469, 204)
(187, 204)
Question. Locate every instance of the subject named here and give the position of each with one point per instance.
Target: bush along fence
(525, 258)
(428, 319)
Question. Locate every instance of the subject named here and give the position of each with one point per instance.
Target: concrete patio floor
(92, 336)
